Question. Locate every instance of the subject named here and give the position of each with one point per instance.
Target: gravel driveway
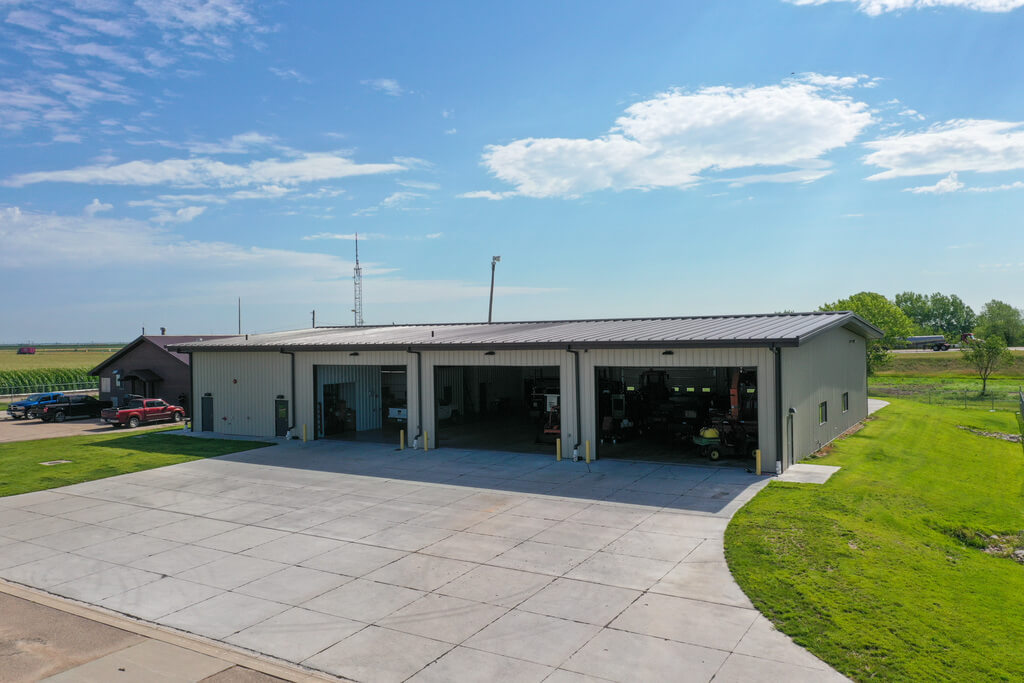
(27, 430)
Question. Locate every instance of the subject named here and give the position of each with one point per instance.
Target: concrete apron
(381, 565)
(70, 641)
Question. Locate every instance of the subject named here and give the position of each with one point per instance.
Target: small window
(823, 412)
(846, 401)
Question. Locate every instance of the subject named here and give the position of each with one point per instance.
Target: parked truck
(21, 409)
(70, 407)
(937, 342)
(143, 411)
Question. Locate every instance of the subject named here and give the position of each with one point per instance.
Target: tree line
(996, 326)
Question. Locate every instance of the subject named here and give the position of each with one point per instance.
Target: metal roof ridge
(720, 316)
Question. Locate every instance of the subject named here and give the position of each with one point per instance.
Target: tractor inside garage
(506, 408)
(674, 414)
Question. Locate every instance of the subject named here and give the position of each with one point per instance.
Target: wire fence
(962, 397)
(1020, 414)
(15, 391)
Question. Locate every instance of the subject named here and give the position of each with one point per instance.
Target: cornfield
(14, 382)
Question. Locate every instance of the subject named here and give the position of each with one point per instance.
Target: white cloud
(419, 184)
(680, 138)
(393, 200)
(35, 21)
(388, 86)
(948, 184)
(401, 197)
(185, 214)
(486, 194)
(95, 207)
(1016, 185)
(959, 145)
(370, 236)
(836, 82)
(289, 74)
(451, 131)
(205, 271)
(877, 7)
(203, 172)
(243, 143)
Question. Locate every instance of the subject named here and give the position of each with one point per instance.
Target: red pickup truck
(143, 411)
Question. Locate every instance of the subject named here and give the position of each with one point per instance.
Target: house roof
(783, 329)
(162, 342)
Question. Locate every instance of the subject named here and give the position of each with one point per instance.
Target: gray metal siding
(822, 370)
(244, 386)
(759, 358)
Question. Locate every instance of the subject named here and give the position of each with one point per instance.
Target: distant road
(1012, 348)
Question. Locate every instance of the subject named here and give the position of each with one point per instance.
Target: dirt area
(1012, 438)
(28, 430)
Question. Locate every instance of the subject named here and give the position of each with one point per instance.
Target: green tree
(916, 307)
(884, 315)
(950, 315)
(937, 313)
(999, 318)
(986, 356)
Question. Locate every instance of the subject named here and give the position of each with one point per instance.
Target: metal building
(649, 388)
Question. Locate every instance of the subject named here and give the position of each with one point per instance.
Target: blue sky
(160, 158)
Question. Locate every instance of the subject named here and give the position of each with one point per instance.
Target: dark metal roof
(783, 329)
(164, 342)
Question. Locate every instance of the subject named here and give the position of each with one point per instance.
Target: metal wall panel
(759, 358)
(244, 386)
(822, 370)
(361, 385)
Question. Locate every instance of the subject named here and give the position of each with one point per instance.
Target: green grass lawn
(881, 572)
(97, 457)
(945, 364)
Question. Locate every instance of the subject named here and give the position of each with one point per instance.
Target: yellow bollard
(401, 440)
(426, 441)
(588, 451)
(303, 433)
(558, 449)
(757, 457)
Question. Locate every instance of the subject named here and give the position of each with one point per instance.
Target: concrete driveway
(379, 565)
(29, 430)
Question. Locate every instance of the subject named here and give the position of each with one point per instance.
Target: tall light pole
(490, 305)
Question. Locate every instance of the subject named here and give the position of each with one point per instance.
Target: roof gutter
(291, 412)
(513, 346)
(419, 393)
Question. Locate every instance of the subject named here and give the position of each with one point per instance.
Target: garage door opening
(504, 408)
(360, 402)
(678, 414)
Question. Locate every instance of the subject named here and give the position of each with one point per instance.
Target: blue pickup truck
(20, 409)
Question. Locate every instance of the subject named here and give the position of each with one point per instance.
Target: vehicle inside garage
(360, 402)
(508, 408)
(677, 414)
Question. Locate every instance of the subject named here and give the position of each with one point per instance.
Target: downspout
(291, 399)
(579, 407)
(419, 393)
(778, 408)
(191, 394)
